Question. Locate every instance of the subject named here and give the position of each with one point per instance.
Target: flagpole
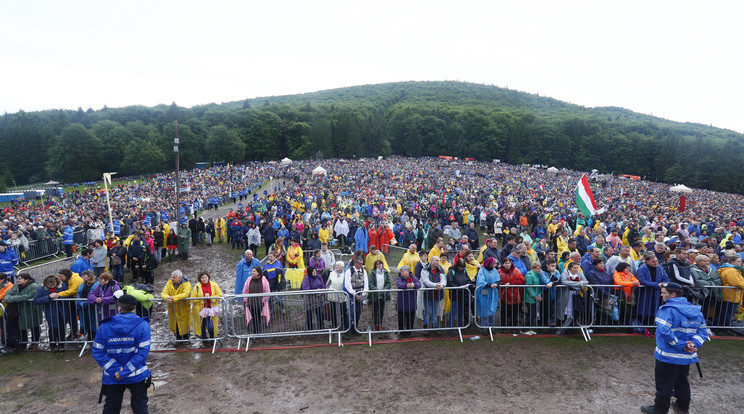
(106, 181)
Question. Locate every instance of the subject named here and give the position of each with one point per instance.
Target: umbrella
(681, 188)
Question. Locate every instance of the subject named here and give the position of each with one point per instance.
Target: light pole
(106, 183)
(178, 181)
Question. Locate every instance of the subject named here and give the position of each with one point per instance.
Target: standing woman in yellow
(220, 229)
(176, 290)
(295, 259)
(205, 313)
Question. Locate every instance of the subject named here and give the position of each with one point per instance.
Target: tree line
(409, 118)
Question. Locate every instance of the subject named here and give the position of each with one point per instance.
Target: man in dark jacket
(194, 232)
(138, 251)
(201, 230)
(492, 251)
(435, 233)
(472, 236)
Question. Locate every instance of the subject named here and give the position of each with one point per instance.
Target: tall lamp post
(106, 184)
(178, 180)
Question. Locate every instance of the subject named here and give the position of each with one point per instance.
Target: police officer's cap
(127, 300)
(672, 285)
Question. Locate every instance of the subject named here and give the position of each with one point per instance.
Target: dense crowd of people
(639, 239)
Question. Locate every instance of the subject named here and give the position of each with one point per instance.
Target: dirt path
(222, 210)
(534, 375)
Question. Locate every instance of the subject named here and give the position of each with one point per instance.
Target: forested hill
(407, 118)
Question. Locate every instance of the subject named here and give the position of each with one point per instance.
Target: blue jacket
(360, 238)
(649, 296)
(55, 311)
(122, 345)
(82, 264)
(84, 304)
(486, 304)
(519, 264)
(67, 236)
(270, 269)
(243, 272)
(677, 322)
(545, 278)
(8, 260)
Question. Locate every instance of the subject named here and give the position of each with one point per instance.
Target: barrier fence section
(189, 320)
(518, 309)
(635, 307)
(63, 322)
(56, 323)
(381, 310)
(288, 313)
(49, 268)
(36, 250)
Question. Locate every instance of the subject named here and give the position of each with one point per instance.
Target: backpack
(151, 263)
(144, 287)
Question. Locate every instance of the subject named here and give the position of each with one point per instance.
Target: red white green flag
(584, 198)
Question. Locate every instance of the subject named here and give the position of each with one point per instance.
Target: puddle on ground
(13, 384)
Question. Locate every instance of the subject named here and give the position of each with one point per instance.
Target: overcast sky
(673, 59)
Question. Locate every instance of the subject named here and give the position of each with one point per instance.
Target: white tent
(681, 188)
(51, 182)
(320, 171)
(286, 161)
(552, 170)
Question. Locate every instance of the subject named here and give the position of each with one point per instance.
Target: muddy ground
(607, 375)
(610, 374)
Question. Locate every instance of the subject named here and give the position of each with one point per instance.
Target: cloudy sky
(680, 60)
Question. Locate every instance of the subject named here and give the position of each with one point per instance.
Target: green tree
(142, 157)
(298, 143)
(75, 155)
(224, 145)
(114, 139)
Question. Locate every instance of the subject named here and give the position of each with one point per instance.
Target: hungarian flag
(584, 197)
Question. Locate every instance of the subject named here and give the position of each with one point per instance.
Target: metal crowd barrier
(73, 318)
(188, 310)
(380, 316)
(37, 249)
(69, 320)
(295, 313)
(561, 308)
(330, 312)
(637, 309)
(50, 268)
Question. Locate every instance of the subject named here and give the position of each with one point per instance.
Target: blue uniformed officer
(120, 348)
(680, 331)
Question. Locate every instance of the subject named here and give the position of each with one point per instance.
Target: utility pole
(178, 181)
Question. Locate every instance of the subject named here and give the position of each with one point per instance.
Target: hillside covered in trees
(407, 118)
